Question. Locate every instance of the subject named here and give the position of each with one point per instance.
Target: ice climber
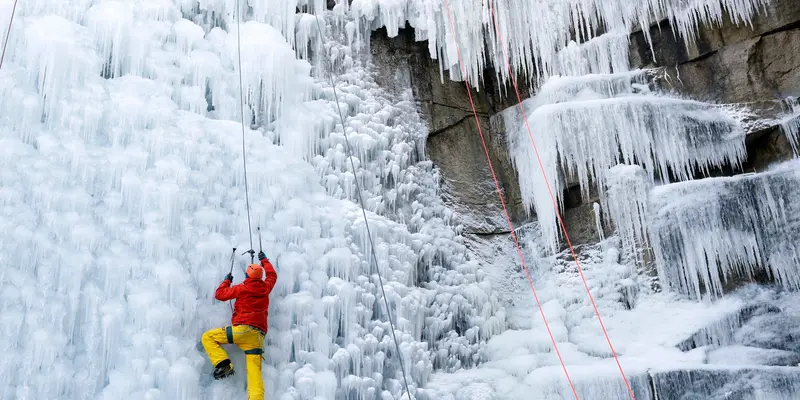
(248, 324)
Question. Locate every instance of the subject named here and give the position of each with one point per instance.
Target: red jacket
(252, 298)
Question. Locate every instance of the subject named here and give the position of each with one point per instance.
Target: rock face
(579, 217)
(758, 65)
(731, 63)
(454, 142)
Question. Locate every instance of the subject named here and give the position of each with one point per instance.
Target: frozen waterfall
(709, 231)
(122, 194)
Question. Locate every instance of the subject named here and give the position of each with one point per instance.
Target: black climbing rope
(8, 33)
(366, 222)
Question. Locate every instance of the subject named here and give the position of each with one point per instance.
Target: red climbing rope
(502, 202)
(8, 33)
(555, 204)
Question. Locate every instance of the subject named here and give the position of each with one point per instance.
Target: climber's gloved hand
(229, 277)
(261, 256)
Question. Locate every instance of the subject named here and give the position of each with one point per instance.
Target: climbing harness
(8, 33)
(366, 221)
(241, 112)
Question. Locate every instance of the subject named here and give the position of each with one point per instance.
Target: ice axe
(233, 254)
(260, 246)
(252, 255)
(253, 252)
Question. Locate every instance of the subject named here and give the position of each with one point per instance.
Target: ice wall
(585, 126)
(611, 135)
(757, 383)
(122, 194)
(627, 187)
(388, 136)
(791, 125)
(535, 32)
(709, 231)
(582, 126)
(280, 14)
(562, 40)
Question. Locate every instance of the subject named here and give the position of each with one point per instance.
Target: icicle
(112, 24)
(559, 89)
(276, 13)
(307, 37)
(130, 180)
(158, 10)
(271, 74)
(541, 38)
(598, 222)
(187, 35)
(69, 9)
(58, 55)
(604, 54)
(627, 188)
(791, 125)
(588, 137)
(707, 231)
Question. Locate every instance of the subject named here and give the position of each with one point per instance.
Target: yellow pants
(250, 340)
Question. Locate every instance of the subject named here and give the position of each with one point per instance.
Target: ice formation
(595, 130)
(791, 125)
(604, 54)
(608, 131)
(627, 187)
(598, 221)
(122, 194)
(592, 112)
(650, 336)
(535, 34)
(709, 231)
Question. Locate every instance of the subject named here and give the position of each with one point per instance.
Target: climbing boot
(223, 370)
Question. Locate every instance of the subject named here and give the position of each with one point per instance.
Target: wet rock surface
(755, 66)
(454, 141)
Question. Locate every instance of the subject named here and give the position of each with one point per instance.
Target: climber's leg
(212, 341)
(255, 382)
(251, 341)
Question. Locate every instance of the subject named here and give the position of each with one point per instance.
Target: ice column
(586, 136)
(708, 231)
(627, 188)
(535, 32)
(791, 125)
